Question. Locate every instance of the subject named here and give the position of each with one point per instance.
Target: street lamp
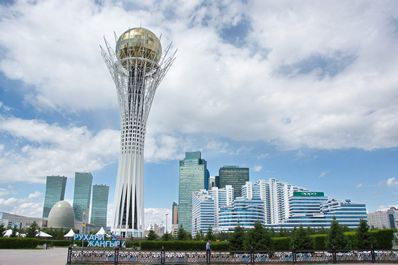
(166, 222)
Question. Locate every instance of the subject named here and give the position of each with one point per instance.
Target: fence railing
(126, 256)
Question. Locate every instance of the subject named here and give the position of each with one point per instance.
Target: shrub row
(55, 243)
(382, 239)
(15, 242)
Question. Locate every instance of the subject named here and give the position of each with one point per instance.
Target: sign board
(100, 241)
(308, 194)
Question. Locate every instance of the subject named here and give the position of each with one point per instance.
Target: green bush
(382, 239)
(319, 241)
(281, 243)
(14, 242)
(182, 245)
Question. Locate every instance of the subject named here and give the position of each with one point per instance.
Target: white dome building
(61, 216)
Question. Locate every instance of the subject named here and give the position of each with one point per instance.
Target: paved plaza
(51, 256)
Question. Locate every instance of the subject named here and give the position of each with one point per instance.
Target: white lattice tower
(137, 68)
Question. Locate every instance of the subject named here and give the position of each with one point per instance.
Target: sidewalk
(51, 256)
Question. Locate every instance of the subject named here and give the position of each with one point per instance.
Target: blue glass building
(82, 195)
(193, 177)
(55, 192)
(99, 207)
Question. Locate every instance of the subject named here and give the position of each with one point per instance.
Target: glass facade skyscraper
(193, 177)
(55, 192)
(99, 206)
(234, 176)
(82, 195)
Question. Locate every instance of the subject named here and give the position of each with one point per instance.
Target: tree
(152, 235)
(209, 234)
(14, 231)
(32, 230)
(336, 239)
(258, 239)
(182, 234)
(2, 229)
(199, 235)
(237, 239)
(166, 236)
(363, 238)
(300, 239)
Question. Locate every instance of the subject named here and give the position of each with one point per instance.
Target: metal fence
(126, 256)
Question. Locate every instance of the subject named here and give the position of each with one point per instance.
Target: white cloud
(39, 149)
(48, 149)
(257, 168)
(215, 87)
(391, 182)
(359, 185)
(32, 205)
(157, 216)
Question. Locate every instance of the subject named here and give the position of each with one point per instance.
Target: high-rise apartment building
(174, 213)
(234, 176)
(275, 195)
(384, 219)
(203, 212)
(99, 205)
(193, 177)
(55, 192)
(82, 195)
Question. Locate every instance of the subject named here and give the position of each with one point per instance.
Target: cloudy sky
(302, 91)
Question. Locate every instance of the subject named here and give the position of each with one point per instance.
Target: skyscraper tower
(193, 176)
(82, 195)
(55, 192)
(137, 67)
(99, 206)
(234, 176)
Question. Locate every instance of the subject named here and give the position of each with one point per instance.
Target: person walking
(208, 251)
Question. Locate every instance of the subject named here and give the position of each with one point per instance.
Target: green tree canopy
(300, 239)
(167, 236)
(182, 234)
(363, 238)
(2, 229)
(336, 239)
(152, 235)
(209, 234)
(32, 230)
(237, 239)
(258, 239)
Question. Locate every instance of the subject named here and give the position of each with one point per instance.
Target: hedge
(182, 245)
(280, 243)
(319, 241)
(382, 238)
(15, 242)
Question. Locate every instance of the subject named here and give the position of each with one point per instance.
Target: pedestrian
(208, 246)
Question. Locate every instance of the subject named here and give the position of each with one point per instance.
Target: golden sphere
(138, 43)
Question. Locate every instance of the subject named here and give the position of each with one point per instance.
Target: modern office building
(315, 210)
(99, 205)
(243, 212)
(55, 192)
(234, 176)
(193, 174)
(384, 218)
(222, 198)
(214, 181)
(137, 68)
(203, 212)
(82, 195)
(20, 221)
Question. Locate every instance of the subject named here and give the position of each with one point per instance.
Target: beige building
(384, 219)
(19, 221)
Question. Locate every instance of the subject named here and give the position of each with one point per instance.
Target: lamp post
(166, 223)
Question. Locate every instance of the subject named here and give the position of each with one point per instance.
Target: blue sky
(305, 92)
